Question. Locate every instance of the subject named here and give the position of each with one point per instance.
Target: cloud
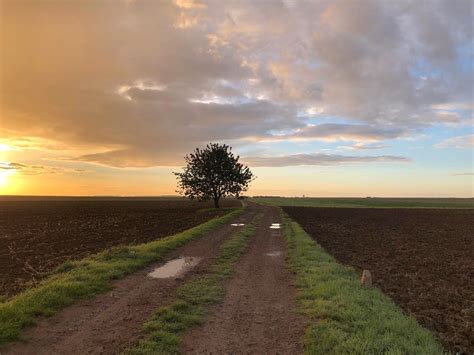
(30, 143)
(11, 166)
(189, 4)
(144, 82)
(319, 159)
(26, 169)
(449, 118)
(364, 146)
(455, 116)
(460, 142)
(335, 132)
(469, 106)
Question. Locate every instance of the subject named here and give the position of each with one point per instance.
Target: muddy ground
(421, 258)
(37, 235)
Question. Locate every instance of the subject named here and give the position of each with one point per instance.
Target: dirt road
(257, 316)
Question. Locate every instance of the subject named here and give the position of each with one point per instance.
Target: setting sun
(5, 147)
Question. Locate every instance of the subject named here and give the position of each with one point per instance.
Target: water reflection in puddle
(274, 253)
(275, 226)
(174, 268)
(237, 224)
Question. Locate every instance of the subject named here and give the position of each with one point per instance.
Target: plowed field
(37, 235)
(421, 258)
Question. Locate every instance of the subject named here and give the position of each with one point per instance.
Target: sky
(319, 98)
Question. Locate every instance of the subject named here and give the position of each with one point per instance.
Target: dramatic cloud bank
(140, 83)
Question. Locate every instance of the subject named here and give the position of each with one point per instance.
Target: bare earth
(257, 316)
(37, 235)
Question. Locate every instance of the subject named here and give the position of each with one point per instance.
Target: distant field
(369, 202)
(37, 234)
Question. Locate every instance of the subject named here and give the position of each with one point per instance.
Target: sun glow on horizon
(7, 171)
(5, 147)
(5, 180)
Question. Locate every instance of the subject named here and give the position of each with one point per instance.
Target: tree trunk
(216, 203)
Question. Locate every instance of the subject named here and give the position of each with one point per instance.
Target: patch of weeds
(164, 329)
(344, 316)
(84, 278)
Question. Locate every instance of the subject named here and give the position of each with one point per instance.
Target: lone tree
(212, 173)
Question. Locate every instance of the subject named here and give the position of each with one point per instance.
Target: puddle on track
(274, 253)
(275, 226)
(175, 267)
(238, 224)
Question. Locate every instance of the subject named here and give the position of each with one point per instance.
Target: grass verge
(75, 280)
(164, 329)
(344, 316)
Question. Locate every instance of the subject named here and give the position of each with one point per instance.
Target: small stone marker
(366, 278)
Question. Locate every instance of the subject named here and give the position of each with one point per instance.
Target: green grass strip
(75, 280)
(165, 328)
(344, 316)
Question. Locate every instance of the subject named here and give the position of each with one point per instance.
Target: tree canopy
(213, 173)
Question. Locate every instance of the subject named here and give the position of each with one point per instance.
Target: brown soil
(39, 234)
(258, 314)
(421, 258)
(113, 321)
